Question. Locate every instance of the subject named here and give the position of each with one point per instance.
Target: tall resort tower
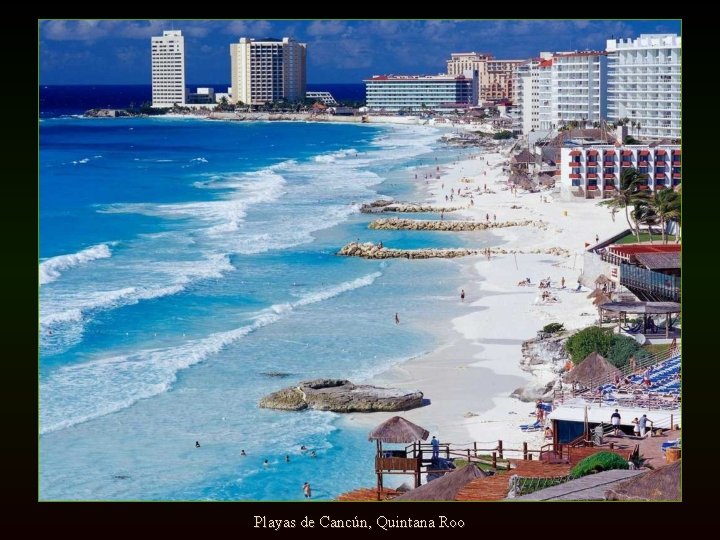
(168, 69)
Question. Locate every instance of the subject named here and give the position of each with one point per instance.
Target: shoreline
(469, 376)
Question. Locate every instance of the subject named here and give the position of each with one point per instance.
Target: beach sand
(477, 366)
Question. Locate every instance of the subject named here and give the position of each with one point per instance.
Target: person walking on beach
(435, 447)
(597, 239)
(307, 490)
(487, 217)
(462, 295)
(494, 217)
(562, 282)
(397, 319)
(615, 421)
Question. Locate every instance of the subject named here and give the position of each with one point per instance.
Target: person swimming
(242, 453)
(197, 444)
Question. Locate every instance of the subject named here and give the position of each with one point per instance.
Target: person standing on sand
(562, 282)
(307, 490)
(462, 295)
(397, 319)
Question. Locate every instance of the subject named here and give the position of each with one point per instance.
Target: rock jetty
(340, 395)
(368, 250)
(383, 205)
(373, 251)
(436, 225)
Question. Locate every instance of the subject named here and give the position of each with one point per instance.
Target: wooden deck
(368, 495)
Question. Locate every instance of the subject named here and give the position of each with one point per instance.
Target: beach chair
(526, 428)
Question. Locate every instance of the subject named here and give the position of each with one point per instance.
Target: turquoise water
(181, 262)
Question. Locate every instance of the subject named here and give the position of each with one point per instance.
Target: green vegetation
(553, 328)
(505, 134)
(622, 348)
(657, 349)
(531, 485)
(588, 340)
(658, 208)
(644, 237)
(146, 108)
(616, 349)
(602, 461)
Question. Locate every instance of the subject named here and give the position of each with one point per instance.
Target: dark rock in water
(279, 374)
(340, 395)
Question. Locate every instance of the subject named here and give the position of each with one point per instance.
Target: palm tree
(628, 194)
(665, 205)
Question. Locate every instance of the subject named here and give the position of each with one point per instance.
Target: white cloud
(328, 28)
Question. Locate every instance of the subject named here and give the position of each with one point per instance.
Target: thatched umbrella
(602, 279)
(601, 299)
(659, 485)
(595, 293)
(594, 370)
(445, 488)
(398, 430)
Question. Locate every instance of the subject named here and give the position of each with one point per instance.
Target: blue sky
(118, 51)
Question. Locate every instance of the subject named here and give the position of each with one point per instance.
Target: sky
(339, 51)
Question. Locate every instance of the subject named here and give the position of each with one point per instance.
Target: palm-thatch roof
(593, 370)
(444, 488)
(659, 485)
(398, 430)
(595, 293)
(601, 299)
(602, 279)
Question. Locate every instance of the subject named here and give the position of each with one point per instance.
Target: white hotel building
(267, 70)
(393, 93)
(579, 87)
(644, 84)
(168, 69)
(593, 170)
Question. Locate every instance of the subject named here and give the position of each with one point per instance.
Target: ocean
(187, 268)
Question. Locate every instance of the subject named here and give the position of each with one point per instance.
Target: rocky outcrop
(435, 225)
(340, 395)
(373, 251)
(369, 250)
(539, 354)
(383, 205)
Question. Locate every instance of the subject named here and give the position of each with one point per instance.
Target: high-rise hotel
(644, 84)
(168, 69)
(267, 70)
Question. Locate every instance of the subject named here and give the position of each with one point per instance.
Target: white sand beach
(477, 366)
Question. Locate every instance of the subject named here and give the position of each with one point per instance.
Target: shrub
(505, 134)
(602, 461)
(588, 340)
(622, 348)
(553, 328)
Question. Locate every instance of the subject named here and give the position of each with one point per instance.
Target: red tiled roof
(632, 249)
